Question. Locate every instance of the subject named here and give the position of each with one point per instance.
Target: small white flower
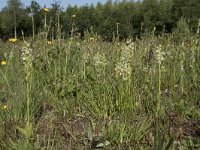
(163, 69)
(123, 67)
(26, 55)
(159, 54)
(123, 70)
(86, 56)
(100, 60)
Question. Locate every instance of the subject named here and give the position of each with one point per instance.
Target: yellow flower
(13, 40)
(4, 107)
(46, 9)
(137, 104)
(73, 16)
(3, 62)
(49, 42)
(92, 39)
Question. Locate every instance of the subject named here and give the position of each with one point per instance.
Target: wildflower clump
(13, 40)
(86, 56)
(123, 67)
(26, 57)
(159, 54)
(128, 50)
(100, 63)
(100, 60)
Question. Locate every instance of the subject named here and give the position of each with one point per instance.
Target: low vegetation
(73, 93)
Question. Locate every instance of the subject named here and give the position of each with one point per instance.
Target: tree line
(121, 19)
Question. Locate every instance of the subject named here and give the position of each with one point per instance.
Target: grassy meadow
(73, 94)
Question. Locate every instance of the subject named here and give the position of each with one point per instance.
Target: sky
(64, 3)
